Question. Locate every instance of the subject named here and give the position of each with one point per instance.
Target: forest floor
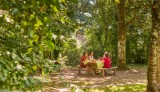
(133, 80)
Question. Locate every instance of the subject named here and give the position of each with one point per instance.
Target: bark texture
(121, 36)
(153, 63)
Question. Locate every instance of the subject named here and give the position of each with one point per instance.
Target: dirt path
(62, 81)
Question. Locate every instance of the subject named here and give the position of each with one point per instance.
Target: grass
(122, 88)
(137, 66)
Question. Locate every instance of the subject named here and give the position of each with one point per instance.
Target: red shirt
(107, 62)
(83, 58)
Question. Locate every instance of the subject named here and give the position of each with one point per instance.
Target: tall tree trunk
(158, 63)
(153, 72)
(121, 36)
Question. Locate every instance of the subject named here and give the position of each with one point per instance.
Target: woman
(82, 65)
(91, 56)
(107, 61)
(83, 58)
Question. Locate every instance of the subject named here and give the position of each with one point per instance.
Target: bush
(72, 52)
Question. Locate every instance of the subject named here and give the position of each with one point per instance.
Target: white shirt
(91, 58)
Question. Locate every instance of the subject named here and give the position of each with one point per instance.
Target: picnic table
(97, 65)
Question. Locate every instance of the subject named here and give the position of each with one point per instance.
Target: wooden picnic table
(93, 65)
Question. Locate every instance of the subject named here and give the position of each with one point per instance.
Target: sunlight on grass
(125, 88)
(87, 83)
(137, 65)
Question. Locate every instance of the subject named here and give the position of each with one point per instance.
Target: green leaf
(24, 23)
(55, 9)
(63, 0)
(31, 17)
(5, 74)
(45, 19)
(45, 71)
(29, 50)
(50, 44)
(62, 20)
(34, 68)
(31, 33)
(39, 22)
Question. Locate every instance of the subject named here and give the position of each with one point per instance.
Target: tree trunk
(153, 72)
(121, 36)
(158, 63)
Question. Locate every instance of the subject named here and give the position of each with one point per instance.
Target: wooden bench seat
(103, 70)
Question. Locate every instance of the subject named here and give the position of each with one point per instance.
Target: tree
(158, 64)
(29, 29)
(138, 24)
(121, 36)
(153, 72)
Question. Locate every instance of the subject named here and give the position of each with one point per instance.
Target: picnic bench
(104, 70)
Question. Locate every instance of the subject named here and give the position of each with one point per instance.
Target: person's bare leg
(79, 71)
(92, 71)
(88, 70)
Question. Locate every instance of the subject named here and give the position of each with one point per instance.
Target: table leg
(103, 72)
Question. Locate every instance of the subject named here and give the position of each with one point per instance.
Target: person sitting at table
(91, 56)
(82, 65)
(83, 58)
(104, 55)
(107, 61)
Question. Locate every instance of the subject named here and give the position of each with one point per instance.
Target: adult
(91, 56)
(82, 65)
(83, 58)
(107, 61)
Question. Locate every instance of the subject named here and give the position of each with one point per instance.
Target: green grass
(124, 88)
(137, 65)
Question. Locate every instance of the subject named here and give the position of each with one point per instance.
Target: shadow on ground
(133, 80)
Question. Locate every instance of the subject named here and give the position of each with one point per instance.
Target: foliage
(139, 24)
(72, 52)
(13, 74)
(100, 29)
(32, 34)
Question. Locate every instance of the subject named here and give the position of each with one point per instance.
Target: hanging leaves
(27, 32)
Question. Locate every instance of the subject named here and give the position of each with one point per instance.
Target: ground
(133, 80)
